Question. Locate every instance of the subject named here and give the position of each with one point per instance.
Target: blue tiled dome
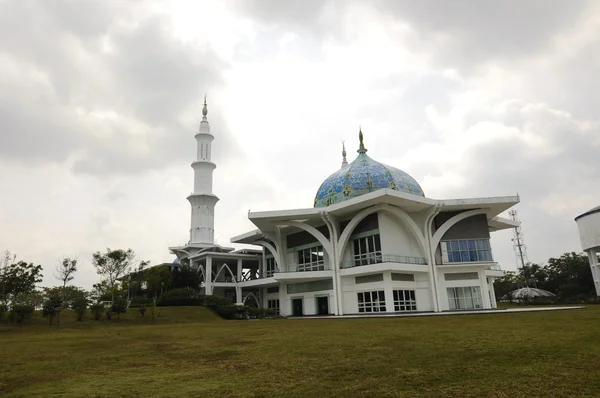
(362, 176)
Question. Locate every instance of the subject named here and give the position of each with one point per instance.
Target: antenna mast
(518, 242)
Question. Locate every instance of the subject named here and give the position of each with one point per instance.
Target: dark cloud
(74, 61)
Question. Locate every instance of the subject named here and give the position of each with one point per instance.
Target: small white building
(371, 243)
(588, 224)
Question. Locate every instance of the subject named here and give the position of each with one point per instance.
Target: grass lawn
(191, 352)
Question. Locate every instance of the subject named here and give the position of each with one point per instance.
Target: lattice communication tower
(518, 242)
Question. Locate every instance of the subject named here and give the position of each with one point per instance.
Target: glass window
(464, 298)
(466, 250)
(367, 250)
(371, 301)
(405, 300)
(270, 266)
(273, 304)
(311, 259)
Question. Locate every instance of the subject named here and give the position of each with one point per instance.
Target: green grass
(191, 352)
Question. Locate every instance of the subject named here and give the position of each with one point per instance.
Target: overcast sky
(101, 100)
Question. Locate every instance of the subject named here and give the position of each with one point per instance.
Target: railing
(493, 267)
(378, 258)
(316, 266)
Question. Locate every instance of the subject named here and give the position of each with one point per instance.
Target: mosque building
(371, 243)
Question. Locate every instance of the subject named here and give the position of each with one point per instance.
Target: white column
(238, 295)
(208, 289)
(238, 276)
(389, 292)
(284, 309)
(492, 293)
(485, 292)
(595, 267)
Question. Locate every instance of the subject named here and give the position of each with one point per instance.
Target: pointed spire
(344, 161)
(361, 148)
(204, 109)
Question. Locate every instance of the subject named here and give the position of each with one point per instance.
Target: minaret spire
(204, 109)
(361, 148)
(344, 161)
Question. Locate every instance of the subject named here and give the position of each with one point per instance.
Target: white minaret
(344, 161)
(202, 200)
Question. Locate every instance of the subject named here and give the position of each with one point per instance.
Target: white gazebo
(588, 224)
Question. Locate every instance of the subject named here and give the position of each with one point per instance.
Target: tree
(570, 277)
(65, 270)
(112, 265)
(185, 276)
(52, 306)
(19, 278)
(119, 306)
(79, 305)
(5, 262)
(157, 279)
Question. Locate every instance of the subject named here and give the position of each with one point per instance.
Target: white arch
(327, 245)
(255, 299)
(224, 266)
(437, 237)
(401, 215)
(272, 249)
(201, 271)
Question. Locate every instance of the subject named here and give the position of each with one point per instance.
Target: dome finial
(361, 148)
(204, 109)
(344, 161)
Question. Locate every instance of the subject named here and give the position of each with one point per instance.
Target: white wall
(396, 238)
(350, 290)
(481, 282)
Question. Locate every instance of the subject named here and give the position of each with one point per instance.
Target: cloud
(116, 93)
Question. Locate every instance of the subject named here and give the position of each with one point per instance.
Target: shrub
(21, 312)
(215, 302)
(232, 311)
(139, 301)
(179, 297)
(97, 311)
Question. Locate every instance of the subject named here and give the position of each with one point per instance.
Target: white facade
(406, 269)
(588, 225)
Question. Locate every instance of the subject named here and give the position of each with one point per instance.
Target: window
(405, 300)
(273, 304)
(464, 298)
(367, 250)
(371, 301)
(369, 278)
(314, 286)
(466, 250)
(311, 259)
(461, 276)
(274, 289)
(270, 266)
(403, 277)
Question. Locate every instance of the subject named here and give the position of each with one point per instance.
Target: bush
(140, 301)
(97, 311)
(21, 312)
(232, 311)
(179, 297)
(215, 302)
